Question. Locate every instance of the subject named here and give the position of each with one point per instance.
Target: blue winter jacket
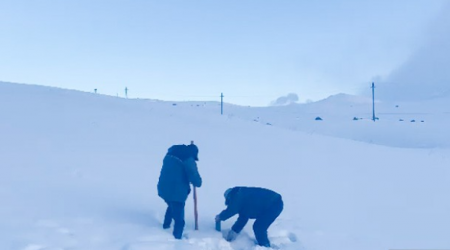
(249, 203)
(177, 172)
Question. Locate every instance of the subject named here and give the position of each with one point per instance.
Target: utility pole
(221, 103)
(373, 101)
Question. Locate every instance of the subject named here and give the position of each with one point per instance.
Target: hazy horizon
(253, 52)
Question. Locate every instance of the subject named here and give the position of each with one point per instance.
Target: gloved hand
(231, 235)
(218, 224)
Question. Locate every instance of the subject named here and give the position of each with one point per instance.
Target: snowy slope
(79, 171)
(394, 127)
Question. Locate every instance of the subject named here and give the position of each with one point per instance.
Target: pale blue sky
(251, 50)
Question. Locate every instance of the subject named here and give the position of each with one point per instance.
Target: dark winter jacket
(178, 171)
(249, 203)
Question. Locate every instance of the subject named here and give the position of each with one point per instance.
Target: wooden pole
(195, 203)
(195, 209)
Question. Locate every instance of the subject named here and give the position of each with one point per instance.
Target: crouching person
(178, 171)
(261, 204)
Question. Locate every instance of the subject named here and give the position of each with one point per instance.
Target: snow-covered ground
(79, 171)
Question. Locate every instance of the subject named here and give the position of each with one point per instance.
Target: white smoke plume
(427, 73)
(285, 100)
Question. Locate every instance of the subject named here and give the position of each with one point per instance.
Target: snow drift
(79, 171)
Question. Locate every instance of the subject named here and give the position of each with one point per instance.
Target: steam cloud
(285, 100)
(427, 73)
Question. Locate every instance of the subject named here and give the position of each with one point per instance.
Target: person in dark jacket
(179, 170)
(261, 204)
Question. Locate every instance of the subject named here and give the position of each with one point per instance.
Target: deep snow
(79, 171)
